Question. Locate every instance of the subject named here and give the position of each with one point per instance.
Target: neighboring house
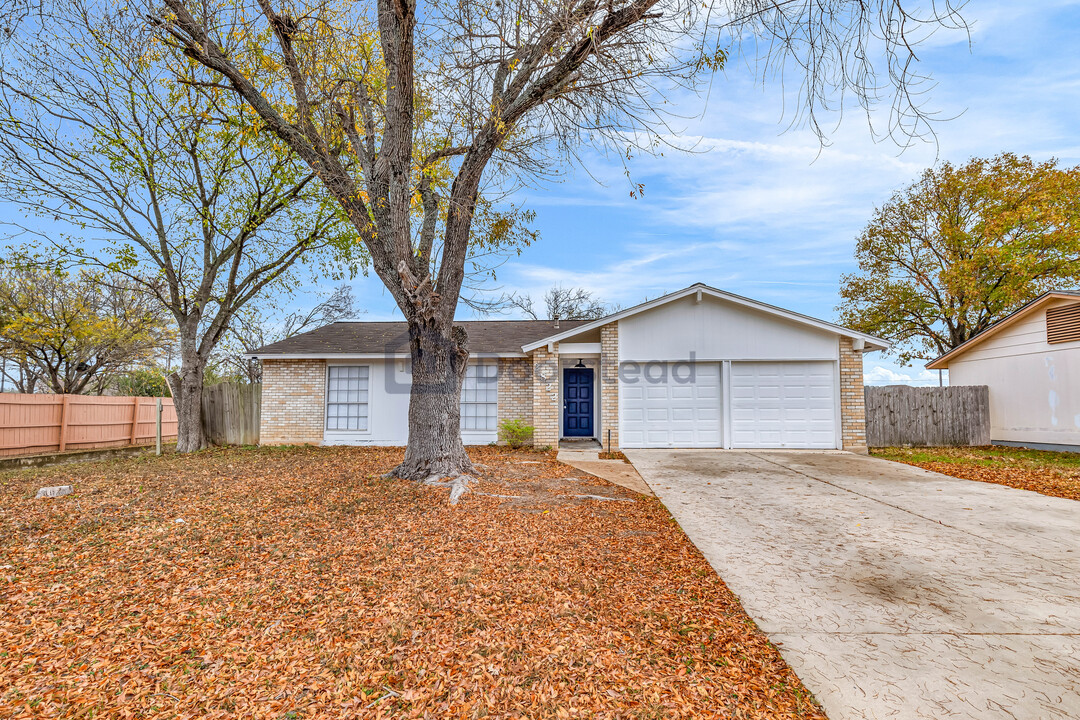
(696, 368)
(1031, 362)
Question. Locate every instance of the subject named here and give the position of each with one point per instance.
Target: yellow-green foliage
(962, 247)
(515, 433)
(73, 330)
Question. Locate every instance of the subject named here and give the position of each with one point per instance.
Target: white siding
(1034, 386)
(719, 330)
(388, 408)
(716, 333)
(388, 405)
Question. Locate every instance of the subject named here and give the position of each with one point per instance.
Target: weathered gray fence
(899, 415)
(231, 413)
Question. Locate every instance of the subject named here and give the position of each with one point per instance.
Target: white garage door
(671, 405)
(783, 405)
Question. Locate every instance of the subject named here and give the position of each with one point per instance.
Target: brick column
(545, 400)
(852, 401)
(515, 390)
(293, 402)
(609, 384)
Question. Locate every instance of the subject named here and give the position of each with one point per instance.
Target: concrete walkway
(614, 471)
(893, 592)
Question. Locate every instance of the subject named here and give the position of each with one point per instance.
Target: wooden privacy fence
(31, 424)
(231, 413)
(899, 415)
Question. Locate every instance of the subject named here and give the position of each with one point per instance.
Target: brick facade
(294, 392)
(545, 389)
(293, 402)
(852, 402)
(609, 384)
(515, 389)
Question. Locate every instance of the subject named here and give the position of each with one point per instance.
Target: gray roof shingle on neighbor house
(346, 338)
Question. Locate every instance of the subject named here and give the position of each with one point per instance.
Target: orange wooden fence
(31, 424)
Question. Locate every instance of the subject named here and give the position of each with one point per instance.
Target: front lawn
(297, 583)
(1049, 473)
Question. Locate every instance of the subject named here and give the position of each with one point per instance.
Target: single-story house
(1030, 360)
(699, 368)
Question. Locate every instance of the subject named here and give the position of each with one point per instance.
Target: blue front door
(577, 402)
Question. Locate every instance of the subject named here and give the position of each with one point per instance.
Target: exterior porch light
(579, 364)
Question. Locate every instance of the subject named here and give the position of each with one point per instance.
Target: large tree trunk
(187, 386)
(438, 367)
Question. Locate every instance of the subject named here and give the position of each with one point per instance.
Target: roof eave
(366, 356)
(872, 342)
(942, 361)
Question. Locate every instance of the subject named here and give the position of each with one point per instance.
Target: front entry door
(578, 402)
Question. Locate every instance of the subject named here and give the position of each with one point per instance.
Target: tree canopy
(255, 328)
(408, 112)
(159, 176)
(961, 248)
(76, 333)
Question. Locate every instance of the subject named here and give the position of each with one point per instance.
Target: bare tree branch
(161, 177)
(474, 98)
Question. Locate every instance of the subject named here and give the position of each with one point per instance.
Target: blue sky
(761, 209)
(762, 212)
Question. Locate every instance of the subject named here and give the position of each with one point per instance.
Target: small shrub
(515, 433)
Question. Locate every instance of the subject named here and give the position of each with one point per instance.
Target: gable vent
(1063, 324)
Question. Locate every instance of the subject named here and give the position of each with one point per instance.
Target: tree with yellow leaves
(407, 111)
(154, 176)
(961, 248)
(77, 333)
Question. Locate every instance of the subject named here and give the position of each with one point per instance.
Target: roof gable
(872, 342)
(942, 362)
(510, 337)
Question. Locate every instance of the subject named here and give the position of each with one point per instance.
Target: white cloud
(772, 215)
(883, 373)
(641, 271)
(763, 210)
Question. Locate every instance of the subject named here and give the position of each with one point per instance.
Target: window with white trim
(480, 397)
(347, 397)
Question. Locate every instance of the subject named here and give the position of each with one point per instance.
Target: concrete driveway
(893, 592)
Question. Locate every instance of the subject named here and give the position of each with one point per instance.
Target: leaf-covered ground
(1050, 473)
(297, 583)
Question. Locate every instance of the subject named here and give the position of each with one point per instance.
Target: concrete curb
(76, 456)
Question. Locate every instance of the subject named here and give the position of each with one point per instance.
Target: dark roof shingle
(485, 336)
